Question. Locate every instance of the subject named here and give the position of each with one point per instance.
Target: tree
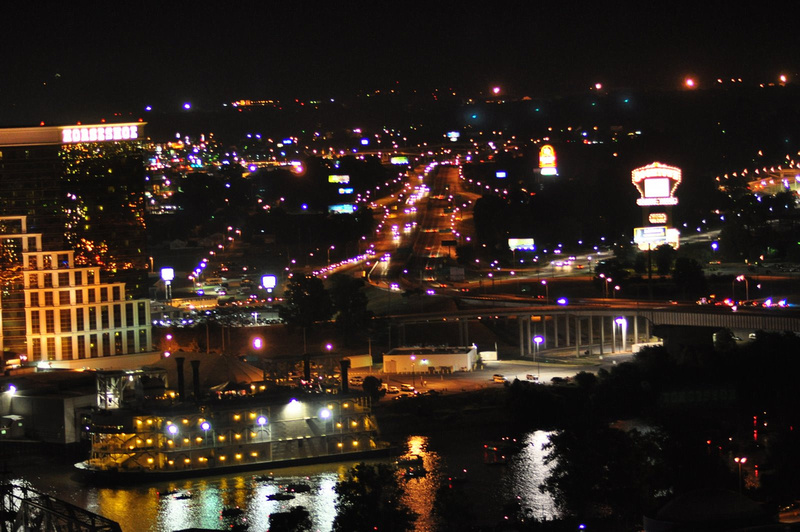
(664, 255)
(369, 498)
(307, 302)
(297, 519)
(688, 276)
(350, 305)
(372, 387)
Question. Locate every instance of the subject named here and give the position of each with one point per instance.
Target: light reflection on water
(525, 472)
(141, 509)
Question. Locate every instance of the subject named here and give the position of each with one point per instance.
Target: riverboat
(221, 435)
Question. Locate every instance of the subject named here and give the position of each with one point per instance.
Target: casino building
(82, 188)
(53, 310)
(72, 208)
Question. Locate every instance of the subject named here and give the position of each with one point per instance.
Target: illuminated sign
(648, 238)
(650, 235)
(399, 160)
(167, 274)
(99, 133)
(656, 183)
(658, 218)
(269, 281)
(346, 208)
(521, 243)
(501, 174)
(348, 190)
(341, 179)
(547, 157)
(453, 136)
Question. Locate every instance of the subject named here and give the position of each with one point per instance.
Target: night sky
(63, 58)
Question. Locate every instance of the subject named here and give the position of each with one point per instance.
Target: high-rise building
(52, 309)
(82, 188)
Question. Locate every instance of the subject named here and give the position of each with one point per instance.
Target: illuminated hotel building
(82, 188)
(55, 310)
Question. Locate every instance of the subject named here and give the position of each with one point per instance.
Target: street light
(741, 278)
(329, 254)
(740, 460)
(546, 291)
(537, 340)
(623, 325)
(413, 358)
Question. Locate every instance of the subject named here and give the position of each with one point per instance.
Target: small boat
(263, 478)
(231, 511)
(298, 487)
(168, 493)
(413, 460)
(280, 496)
(182, 495)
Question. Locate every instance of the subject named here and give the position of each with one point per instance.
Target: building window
(104, 317)
(36, 327)
(117, 316)
(66, 320)
(117, 343)
(92, 318)
(63, 279)
(49, 321)
(106, 344)
(78, 278)
(32, 262)
(48, 280)
(48, 299)
(33, 281)
(128, 314)
(104, 294)
(89, 276)
(78, 296)
(35, 299)
(47, 262)
(51, 348)
(93, 345)
(63, 297)
(79, 320)
(66, 348)
(36, 349)
(143, 340)
(142, 311)
(63, 260)
(81, 347)
(115, 293)
(91, 293)
(130, 340)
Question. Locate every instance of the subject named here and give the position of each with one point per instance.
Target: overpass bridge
(587, 325)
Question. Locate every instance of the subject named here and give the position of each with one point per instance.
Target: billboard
(648, 238)
(346, 208)
(656, 183)
(521, 243)
(398, 160)
(501, 174)
(339, 179)
(657, 218)
(547, 160)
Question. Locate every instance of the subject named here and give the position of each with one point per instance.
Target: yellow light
(186, 461)
(149, 460)
(338, 425)
(237, 417)
(339, 444)
(221, 437)
(170, 442)
(355, 444)
(170, 462)
(138, 441)
(222, 458)
(254, 454)
(149, 441)
(237, 436)
(149, 421)
(238, 456)
(185, 421)
(346, 405)
(138, 421)
(198, 439)
(252, 434)
(252, 415)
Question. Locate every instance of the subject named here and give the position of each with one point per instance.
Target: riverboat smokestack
(181, 383)
(196, 378)
(345, 365)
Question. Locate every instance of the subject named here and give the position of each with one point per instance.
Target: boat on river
(221, 435)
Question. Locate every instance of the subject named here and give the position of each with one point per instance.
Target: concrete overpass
(592, 325)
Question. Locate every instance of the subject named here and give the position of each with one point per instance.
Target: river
(198, 502)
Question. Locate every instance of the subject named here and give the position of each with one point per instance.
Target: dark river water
(198, 502)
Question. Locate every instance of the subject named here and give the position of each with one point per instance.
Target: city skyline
(65, 61)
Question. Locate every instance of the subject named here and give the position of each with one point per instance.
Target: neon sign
(658, 218)
(656, 183)
(547, 157)
(99, 133)
(341, 179)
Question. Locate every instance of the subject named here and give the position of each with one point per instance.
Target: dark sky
(124, 55)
